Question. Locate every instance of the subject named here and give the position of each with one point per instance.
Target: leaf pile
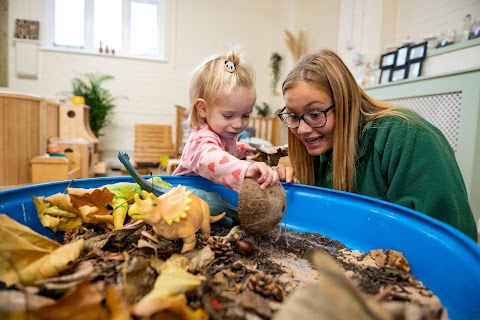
(130, 273)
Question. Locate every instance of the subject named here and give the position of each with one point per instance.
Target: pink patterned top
(215, 158)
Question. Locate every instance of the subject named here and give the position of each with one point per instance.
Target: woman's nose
(303, 127)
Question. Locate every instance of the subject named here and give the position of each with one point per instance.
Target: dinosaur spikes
(177, 219)
(183, 215)
(169, 222)
(186, 208)
(189, 200)
(136, 197)
(188, 193)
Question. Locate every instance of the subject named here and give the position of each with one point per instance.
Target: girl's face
(230, 115)
(302, 98)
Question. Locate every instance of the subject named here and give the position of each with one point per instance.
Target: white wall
(197, 29)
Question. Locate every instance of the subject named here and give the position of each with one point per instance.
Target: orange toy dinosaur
(177, 214)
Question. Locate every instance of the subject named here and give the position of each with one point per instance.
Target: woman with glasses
(343, 139)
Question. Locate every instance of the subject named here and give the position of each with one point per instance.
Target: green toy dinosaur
(217, 204)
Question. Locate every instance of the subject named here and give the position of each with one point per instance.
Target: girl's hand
(250, 149)
(266, 176)
(286, 174)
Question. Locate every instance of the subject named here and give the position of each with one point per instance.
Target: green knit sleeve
(422, 173)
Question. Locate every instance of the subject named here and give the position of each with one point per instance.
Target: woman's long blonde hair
(211, 80)
(353, 109)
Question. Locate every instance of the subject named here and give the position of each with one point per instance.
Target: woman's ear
(201, 106)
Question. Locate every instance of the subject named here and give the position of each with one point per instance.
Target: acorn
(260, 210)
(244, 247)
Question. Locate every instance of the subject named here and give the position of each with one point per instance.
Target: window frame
(89, 47)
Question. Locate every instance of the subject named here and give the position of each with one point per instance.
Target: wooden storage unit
(26, 124)
(48, 169)
(75, 134)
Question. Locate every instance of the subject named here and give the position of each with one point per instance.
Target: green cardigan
(409, 163)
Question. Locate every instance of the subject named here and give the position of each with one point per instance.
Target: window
(130, 27)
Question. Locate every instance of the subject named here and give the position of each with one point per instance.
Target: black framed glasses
(314, 118)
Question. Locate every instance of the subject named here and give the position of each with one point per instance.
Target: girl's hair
(353, 109)
(211, 81)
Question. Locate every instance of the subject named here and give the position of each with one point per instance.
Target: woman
(343, 139)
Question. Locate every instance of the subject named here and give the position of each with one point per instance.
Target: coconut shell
(260, 210)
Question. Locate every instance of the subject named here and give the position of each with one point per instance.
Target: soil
(240, 286)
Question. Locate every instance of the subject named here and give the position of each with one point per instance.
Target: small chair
(181, 135)
(267, 128)
(152, 141)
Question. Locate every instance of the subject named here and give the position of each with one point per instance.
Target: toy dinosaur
(177, 214)
(216, 203)
(124, 193)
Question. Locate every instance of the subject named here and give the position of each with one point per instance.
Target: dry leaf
(52, 264)
(19, 247)
(397, 260)
(82, 302)
(92, 203)
(203, 257)
(173, 280)
(119, 307)
(13, 301)
(379, 256)
(54, 217)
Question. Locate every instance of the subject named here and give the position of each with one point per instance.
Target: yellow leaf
(62, 201)
(173, 280)
(52, 264)
(54, 217)
(30, 255)
(19, 246)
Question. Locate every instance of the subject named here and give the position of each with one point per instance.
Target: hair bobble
(229, 66)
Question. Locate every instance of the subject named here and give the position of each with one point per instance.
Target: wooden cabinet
(26, 124)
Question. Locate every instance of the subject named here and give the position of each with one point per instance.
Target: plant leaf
(92, 203)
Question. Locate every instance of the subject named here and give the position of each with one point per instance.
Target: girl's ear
(201, 106)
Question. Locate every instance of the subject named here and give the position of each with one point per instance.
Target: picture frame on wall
(415, 69)
(399, 74)
(387, 60)
(418, 51)
(385, 76)
(402, 56)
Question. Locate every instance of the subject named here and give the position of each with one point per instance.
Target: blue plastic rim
(444, 259)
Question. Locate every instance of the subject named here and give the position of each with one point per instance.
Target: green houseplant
(263, 110)
(99, 99)
(275, 60)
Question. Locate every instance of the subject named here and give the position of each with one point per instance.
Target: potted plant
(99, 99)
(275, 60)
(263, 110)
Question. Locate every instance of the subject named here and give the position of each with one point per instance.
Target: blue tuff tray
(444, 259)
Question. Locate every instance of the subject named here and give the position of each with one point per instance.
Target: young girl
(222, 97)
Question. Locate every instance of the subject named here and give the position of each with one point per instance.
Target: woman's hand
(267, 176)
(286, 174)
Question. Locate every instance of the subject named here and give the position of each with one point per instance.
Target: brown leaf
(82, 302)
(119, 307)
(96, 201)
(379, 256)
(397, 260)
(99, 198)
